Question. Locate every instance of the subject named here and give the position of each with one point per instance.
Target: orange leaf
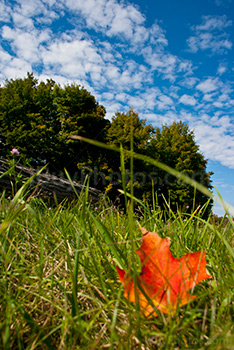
(164, 279)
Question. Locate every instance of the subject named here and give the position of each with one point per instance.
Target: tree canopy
(39, 118)
(174, 145)
(127, 125)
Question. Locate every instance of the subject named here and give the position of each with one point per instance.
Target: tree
(79, 114)
(126, 125)
(123, 128)
(174, 145)
(38, 119)
(16, 109)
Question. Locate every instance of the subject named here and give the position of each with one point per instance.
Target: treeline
(39, 118)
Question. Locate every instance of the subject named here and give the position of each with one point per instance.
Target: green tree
(124, 128)
(174, 145)
(126, 125)
(16, 106)
(38, 119)
(79, 114)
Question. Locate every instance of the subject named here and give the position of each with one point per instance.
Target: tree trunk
(46, 185)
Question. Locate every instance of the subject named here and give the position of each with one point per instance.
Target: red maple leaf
(164, 280)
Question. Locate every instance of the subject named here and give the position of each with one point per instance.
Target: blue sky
(169, 60)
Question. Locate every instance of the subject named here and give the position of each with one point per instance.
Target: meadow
(59, 287)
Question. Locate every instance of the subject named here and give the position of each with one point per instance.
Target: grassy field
(59, 288)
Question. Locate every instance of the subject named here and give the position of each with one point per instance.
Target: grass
(59, 287)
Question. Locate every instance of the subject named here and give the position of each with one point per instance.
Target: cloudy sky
(167, 59)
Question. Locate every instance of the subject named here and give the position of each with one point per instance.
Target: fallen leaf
(164, 280)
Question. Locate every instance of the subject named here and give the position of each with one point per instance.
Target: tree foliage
(39, 118)
(129, 131)
(175, 146)
(127, 125)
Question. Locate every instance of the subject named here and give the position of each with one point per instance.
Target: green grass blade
(119, 257)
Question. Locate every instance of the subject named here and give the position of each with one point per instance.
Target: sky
(169, 60)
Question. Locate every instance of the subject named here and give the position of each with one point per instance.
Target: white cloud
(214, 134)
(32, 8)
(189, 82)
(74, 59)
(218, 104)
(222, 68)
(211, 23)
(223, 2)
(207, 41)
(213, 142)
(25, 44)
(208, 85)
(168, 65)
(5, 12)
(209, 97)
(14, 68)
(118, 19)
(188, 100)
(22, 21)
(224, 97)
(110, 16)
(210, 35)
(124, 21)
(164, 102)
(158, 120)
(85, 59)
